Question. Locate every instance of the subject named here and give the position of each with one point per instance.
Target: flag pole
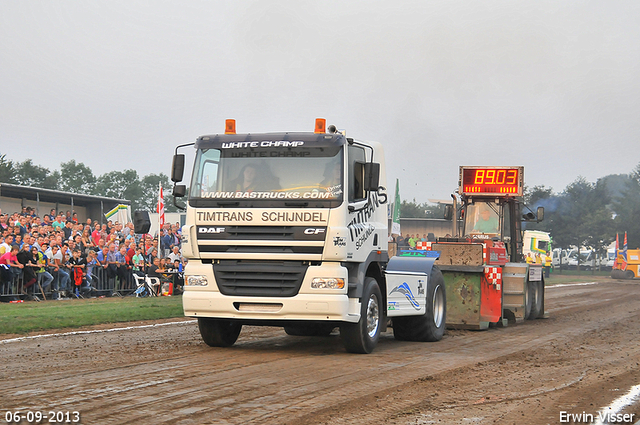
(395, 220)
(159, 217)
(615, 262)
(624, 252)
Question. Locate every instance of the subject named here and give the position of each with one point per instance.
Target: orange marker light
(321, 125)
(230, 127)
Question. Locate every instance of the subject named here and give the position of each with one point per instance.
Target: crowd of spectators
(59, 255)
(410, 241)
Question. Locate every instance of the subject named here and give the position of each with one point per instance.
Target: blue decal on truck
(406, 291)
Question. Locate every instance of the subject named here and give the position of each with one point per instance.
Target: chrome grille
(259, 278)
(261, 239)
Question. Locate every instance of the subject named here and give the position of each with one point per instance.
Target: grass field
(27, 317)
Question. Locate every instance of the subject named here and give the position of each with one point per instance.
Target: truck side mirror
(177, 168)
(371, 176)
(540, 214)
(179, 191)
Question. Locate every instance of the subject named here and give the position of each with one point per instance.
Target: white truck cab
(287, 229)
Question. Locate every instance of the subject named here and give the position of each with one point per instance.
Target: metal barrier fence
(101, 282)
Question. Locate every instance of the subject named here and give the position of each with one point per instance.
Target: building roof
(49, 195)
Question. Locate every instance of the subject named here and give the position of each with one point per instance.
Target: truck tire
(219, 332)
(537, 298)
(629, 274)
(311, 329)
(430, 326)
(528, 299)
(362, 337)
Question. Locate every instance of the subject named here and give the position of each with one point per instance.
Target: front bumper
(301, 307)
(308, 305)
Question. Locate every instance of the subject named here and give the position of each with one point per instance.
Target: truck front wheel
(219, 332)
(362, 337)
(430, 326)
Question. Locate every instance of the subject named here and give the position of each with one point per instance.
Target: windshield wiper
(296, 204)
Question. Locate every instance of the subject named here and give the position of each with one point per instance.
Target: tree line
(583, 214)
(76, 177)
(591, 213)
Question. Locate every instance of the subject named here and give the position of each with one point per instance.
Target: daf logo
(211, 230)
(313, 231)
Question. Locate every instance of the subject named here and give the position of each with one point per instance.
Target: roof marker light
(230, 127)
(321, 125)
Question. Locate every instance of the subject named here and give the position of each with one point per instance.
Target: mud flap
(515, 291)
(491, 293)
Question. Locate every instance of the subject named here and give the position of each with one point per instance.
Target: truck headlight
(327, 283)
(196, 280)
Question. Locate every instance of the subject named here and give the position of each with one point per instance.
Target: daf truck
(536, 242)
(290, 229)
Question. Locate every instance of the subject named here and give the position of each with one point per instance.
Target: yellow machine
(629, 270)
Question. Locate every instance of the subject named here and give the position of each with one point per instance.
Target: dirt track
(580, 359)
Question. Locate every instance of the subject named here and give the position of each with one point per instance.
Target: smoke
(551, 204)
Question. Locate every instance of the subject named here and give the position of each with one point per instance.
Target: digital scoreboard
(496, 181)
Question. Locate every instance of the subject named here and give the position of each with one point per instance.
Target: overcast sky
(550, 85)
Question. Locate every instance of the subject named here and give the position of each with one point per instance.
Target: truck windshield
(481, 220)
(301, 176)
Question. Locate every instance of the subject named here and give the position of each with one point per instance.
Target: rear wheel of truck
(311, 329)
(362, 337)
(528, 299)
(629, 274)
(537, 298)
(219, 332)
(430, 326)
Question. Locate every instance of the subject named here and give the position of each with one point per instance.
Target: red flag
(161, 207)
(615, 262)
(624, 253)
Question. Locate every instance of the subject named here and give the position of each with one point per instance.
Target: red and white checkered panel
(493, 276)
(424, 245)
